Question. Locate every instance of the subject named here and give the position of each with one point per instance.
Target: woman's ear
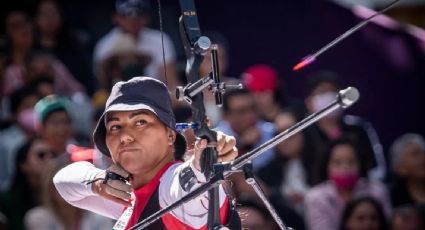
(171, 136)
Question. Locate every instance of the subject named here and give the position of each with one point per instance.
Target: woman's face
(364, 217)
(343, 160)
(19, 30)
(38, 156)
(57, 129)
(412, 164)
(48, 18)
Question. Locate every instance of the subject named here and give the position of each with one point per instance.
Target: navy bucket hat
(140, 93)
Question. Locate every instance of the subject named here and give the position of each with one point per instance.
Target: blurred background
(76, 50)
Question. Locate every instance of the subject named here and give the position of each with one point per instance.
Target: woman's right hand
(115, 190)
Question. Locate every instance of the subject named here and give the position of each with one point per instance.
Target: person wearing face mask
(19, 129)
(345, 176)
(323, 88)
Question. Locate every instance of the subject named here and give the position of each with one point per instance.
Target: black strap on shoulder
(151, 207)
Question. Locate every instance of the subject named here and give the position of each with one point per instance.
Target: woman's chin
(128, 166)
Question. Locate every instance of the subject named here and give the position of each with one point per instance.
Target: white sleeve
(70, 183)
(194, 212)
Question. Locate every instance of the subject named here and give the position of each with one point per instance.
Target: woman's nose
(126, 138)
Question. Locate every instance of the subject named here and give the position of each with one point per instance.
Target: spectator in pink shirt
(346, 180)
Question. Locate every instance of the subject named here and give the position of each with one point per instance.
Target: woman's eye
(141, 122)
(114, 127)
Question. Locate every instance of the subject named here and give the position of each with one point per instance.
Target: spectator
(131, 19)
(54, 124)
(363, 213)
(407, 217)
(56, 213)
(20, 128)
(289, 174)
(31, 158)
(346, 179)
(124, 61)
(23, 64)
(53, 35)
(19, 38)
(323, 88)
(241, 120)
(408, 165)
(263, 81)
(44, 65)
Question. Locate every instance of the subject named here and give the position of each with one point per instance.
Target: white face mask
(320, 101)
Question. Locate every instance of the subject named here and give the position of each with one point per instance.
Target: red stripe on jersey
(143, 194)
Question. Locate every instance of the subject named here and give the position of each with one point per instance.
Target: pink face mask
(26, 119)
(344, 180)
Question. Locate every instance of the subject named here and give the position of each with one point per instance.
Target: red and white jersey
(191, 215)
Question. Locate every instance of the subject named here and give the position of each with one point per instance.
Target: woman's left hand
(226, 149)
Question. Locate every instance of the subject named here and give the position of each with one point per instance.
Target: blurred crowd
(333, 175)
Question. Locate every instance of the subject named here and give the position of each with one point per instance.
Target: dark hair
(41, 79)
(19, 95)
(20, 182)
(66, 37)
(315, 79)
(182, 113)
(44, 121)
(218, 38)
(328, 154)
(354, 203)
(307, 149)
(232, 93)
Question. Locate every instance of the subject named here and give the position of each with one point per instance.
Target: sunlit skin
(364, 217)
(139, 143)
